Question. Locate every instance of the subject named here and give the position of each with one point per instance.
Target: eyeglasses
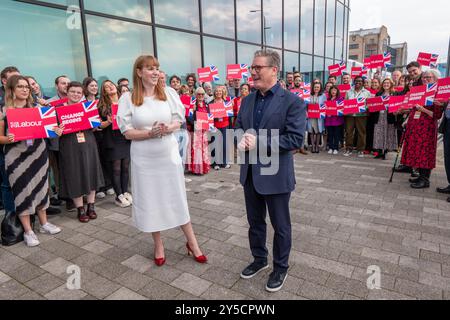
(23, 87)
(258, 69)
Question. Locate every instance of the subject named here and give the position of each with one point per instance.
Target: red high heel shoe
(160, 261)
(199, 259)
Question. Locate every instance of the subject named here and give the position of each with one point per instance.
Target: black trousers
(447, 151)
(278, 207)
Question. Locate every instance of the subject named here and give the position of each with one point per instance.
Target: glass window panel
(218, 17)
(64, 2)
(177, 13)
(281, 59)
(339, 30)
(319, 28)
(273, 12)
(345, 35)
(291, 24)
(133, 9)
(290, 62)
(331, 12)
(114, 45)
(249, 23)
(246, 53)
(306, 67)
(178, 52)
(328, 62)
(307, 24)
(219, 53)
(318, 68)
(62, 52)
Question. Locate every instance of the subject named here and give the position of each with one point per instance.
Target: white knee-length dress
(157, 175)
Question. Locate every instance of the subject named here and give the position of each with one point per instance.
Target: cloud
(424, 26)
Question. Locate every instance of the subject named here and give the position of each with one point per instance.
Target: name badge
(417, 115)
(80, 137)
(29, 143)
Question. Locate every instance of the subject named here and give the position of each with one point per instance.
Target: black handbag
(12, 230)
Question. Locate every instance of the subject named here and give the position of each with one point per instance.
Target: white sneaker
(187, 180)
(330, 151)
(122, 202)
(347, 153)
(360, 154)
(31, 239)
(217, 168)
(49, 228)
(100, 195)
(335, 152)
(128, 197)
(110, 192)
(228, 166)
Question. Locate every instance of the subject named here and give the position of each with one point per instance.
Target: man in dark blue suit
(274, 122)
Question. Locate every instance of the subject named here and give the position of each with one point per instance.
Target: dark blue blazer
(287, 113)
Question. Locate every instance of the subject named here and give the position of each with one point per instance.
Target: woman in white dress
(148, 117)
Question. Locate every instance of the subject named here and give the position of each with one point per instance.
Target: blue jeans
(7, 196)
(182, 137)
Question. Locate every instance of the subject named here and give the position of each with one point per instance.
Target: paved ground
(346, 217)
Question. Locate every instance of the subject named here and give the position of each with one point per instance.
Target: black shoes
(70, 206)
(444, 190)
(55, 202)
(276, 278)
(422, 183)
(253, 269)
(414, 180)
(276, 281)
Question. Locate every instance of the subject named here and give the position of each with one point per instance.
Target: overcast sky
(423, 24)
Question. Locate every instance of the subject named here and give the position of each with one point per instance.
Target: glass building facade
(102, 38)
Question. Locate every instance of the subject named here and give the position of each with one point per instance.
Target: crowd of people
(91, 164)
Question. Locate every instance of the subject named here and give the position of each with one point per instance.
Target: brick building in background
(364, 43)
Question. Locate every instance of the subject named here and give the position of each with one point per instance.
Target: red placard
(443, 90)
(368, 63)
(58, 103)
(406, 101)
(234, 71)
(335, 70)
(79, 117)
(344, 88)
(396, 103)
(417, 96)
(297, 92)
(32, 123)
(354, 106)
(331, 108)
(189, 103)
(427, 59)
(204, 74)
(202, 122)
(376, 104)
(399, 89)
(114, 109)
(377, 61)
(314, 111)
(357, 72)
(218, 110)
